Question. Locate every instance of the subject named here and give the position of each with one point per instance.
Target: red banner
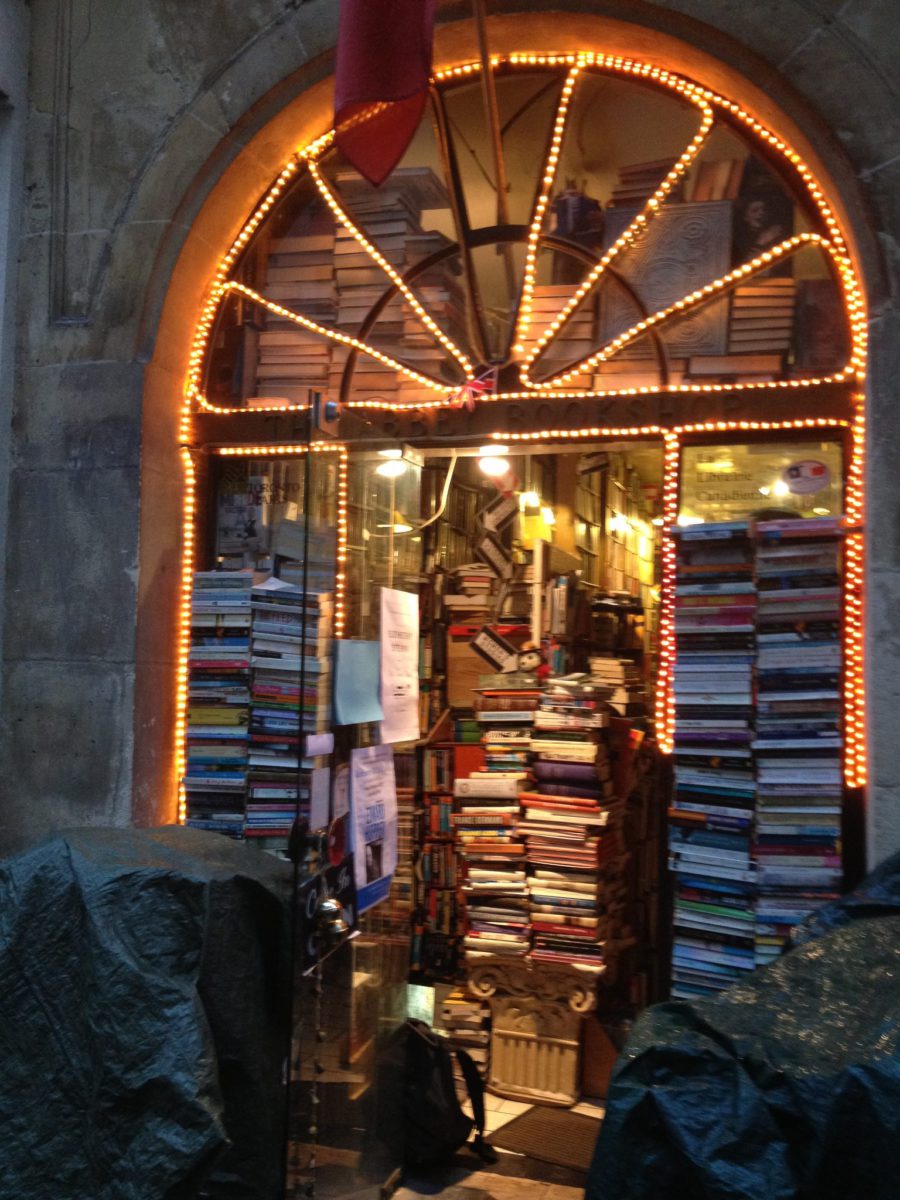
(381, 80)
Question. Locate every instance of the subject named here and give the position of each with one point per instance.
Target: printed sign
(373, 804)
(497, 557)
(399, 665)
(495, 650)
(500, 512)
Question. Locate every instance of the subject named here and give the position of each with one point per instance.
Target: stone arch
(744, 54)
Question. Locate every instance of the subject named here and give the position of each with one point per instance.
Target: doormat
(553, 1135)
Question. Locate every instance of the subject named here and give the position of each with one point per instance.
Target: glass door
(345, 1104)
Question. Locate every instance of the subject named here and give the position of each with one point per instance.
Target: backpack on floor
(435, 1125)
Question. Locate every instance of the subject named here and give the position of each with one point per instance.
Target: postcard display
(755, 825)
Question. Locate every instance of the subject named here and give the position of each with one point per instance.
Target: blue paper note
(356, 682)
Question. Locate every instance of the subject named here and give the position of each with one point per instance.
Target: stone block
(155, 799)
(161, 415)
(159, 578)
(68, 749)
(883, 824)
(770, 28)
(71, 582)
(883, 676)
(834, 72)
(191, 139)
(883, 499)
(874, 27)
(83, 415)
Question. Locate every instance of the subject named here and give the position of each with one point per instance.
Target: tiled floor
(498, 1111)
(513, 1176)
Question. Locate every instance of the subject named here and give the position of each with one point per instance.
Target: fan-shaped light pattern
(770, 325)
(568, 379)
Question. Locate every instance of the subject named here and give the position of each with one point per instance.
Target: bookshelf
(438, 913)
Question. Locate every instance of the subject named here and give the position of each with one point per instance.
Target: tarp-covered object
(142, 1017)
(783, 1088)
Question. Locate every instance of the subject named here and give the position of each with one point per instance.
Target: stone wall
(13, 110)
(151, 128)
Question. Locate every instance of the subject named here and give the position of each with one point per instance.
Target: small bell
(330, 924)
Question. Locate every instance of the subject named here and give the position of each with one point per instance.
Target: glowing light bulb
(391, 468)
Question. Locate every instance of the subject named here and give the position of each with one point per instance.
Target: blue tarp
(142, 1017)
(783, 1088)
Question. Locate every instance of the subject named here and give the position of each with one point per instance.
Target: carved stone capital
(544, 982)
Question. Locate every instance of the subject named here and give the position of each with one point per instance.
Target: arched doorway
(615, 299)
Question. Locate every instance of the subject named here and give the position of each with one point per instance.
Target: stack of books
(572, 834)
(504, 707)
(577, 338)
(300, 276)
(291, 636)
(638, 182)
(485, 826)
(218, 701)
(392, 221)
(762, 316)
(798, 742)
(465, 1021)
(711, 818)
(469, 592)
(620, 684)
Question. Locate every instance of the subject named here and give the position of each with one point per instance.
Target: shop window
(734, 481)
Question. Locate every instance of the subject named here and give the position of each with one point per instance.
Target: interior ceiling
(645, 457)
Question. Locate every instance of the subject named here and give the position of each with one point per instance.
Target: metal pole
(493, 122)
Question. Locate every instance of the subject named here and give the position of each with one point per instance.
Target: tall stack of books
(762, 316)
(485, 824)
(291, 636)
(466, 1020)
(215, 781)
(620, 685)
(392, 220)
(798, 731)
(711, 818)
(572, 832)
(300, 276)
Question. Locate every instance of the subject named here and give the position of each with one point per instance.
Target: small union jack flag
(466, 395)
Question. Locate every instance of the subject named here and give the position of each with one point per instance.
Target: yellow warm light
(855, 765)
(709, 103)
(665, 695)
(335, 335)
(184, 629)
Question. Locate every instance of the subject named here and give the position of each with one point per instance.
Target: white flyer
(399, 665)
(373, 807)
